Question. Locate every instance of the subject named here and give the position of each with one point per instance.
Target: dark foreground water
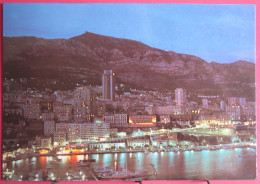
(238, 164)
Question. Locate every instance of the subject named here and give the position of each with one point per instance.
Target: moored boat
(122, 174)
(97, 169)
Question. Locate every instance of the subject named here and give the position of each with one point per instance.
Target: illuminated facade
(180, 101)
(164, 119)
(180, 97)
(82, 104)
(142, 121)
(108, 86)
(32, 109)
(78, 132)
(59, 138)
(116, 120)
(234, 112)
(236, 101)
(62, 112)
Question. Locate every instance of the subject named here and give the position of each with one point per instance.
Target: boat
(85, 162)
(122, 174)
(97, 169)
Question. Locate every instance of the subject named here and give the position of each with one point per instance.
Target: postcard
(111, 91)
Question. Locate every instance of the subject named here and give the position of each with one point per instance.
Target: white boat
(122, 174)
(97, 169)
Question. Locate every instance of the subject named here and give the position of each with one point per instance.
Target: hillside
(84, 57)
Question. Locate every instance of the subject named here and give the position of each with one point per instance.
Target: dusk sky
(221, 33)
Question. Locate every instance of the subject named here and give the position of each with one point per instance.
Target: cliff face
(86, 56)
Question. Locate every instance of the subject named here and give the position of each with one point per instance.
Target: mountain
(84, 57)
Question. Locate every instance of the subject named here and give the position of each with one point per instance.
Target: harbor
(185, 164)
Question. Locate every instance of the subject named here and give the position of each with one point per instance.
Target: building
(236, 101)
(205, 103)
(49, 128)
(172, 138)
(61, 126)
(83, 104)
(32, 108)
(107, 145)
(62, 112)
(165, 119)
(222, 105)
(234, 112)
(142, 121)
(180, 97)
(74, 132)
(59, 138)
(138, 142)
(46, 116)
(46, 142)
(159, 140)
(116, 120)
(165, 110)
(80, 132)
(180, 101)
(108, 86)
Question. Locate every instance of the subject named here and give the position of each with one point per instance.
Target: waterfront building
(108, 85)
(46, 142)
(159, 140)
(78, 132)
(74, 131)
(59, 138)
(105, 145)
(138, 142)
(172, 138)
(49, 128)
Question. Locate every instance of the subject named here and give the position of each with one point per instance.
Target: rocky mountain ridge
(84, 57)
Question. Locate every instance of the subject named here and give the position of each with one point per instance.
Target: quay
(198, 148)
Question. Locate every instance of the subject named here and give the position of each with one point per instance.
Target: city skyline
(95, 107)
(84, 132)
(221, 33)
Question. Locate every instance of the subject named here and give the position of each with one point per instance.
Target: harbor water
(224, 164)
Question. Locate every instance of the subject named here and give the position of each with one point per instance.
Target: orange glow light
(43, 152)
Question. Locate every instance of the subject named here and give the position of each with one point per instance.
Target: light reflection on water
(219, 164)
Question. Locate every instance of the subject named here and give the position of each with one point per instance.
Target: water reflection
(219, 164)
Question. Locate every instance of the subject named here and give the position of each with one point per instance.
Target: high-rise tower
(180, 101)
(108, 89)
